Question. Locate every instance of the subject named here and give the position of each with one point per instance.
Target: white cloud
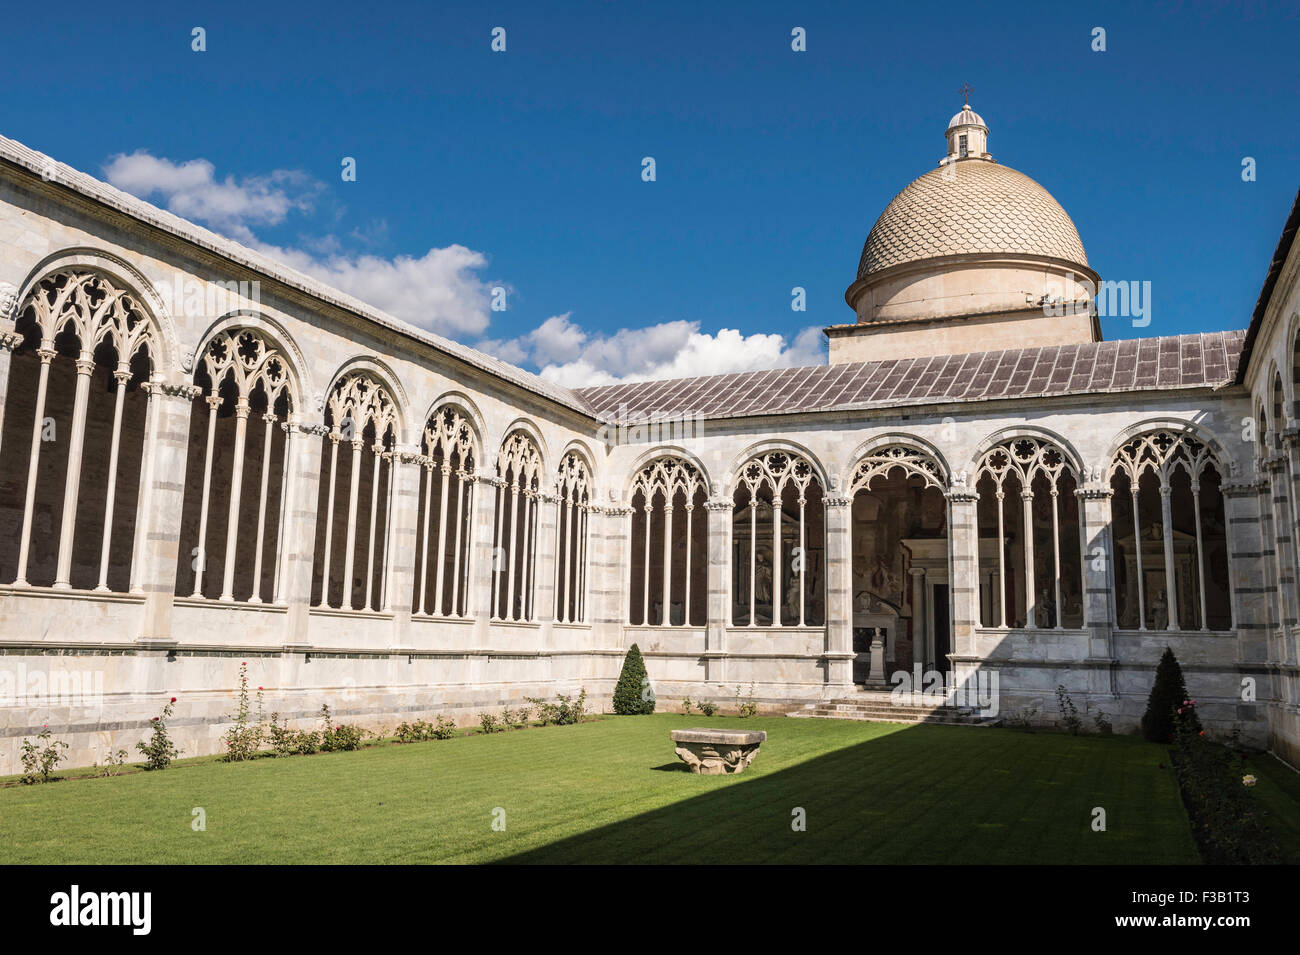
(442, 290)
(191, 190)
(439, 291)
(571, 356)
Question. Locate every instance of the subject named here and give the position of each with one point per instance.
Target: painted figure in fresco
(884, 580)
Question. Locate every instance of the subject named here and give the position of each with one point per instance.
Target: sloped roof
(1141, 364)
(1275, 266)
(1181, 361)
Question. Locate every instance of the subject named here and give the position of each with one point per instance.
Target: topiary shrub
(633, 695)
(1167, 694)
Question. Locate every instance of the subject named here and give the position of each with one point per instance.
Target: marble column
(158, 556)
(609, 562)
(1284, 554)
(838, 652)
(8, 342)
(544, 568)
(920, 630)
(298, 547)
(72, 479)
(963, 559)
(483, 562)
(405, 467)
(1251, 589)
(718, 512)
(1099, 610)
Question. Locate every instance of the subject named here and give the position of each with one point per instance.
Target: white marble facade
(398, 527)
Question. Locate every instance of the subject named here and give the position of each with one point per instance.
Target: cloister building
(208, 459)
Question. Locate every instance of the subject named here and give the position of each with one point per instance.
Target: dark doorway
(942, 629)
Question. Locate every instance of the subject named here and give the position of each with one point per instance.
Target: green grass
(613, 791)
(1277, 794)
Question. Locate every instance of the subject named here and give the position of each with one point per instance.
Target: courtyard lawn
(613, 791)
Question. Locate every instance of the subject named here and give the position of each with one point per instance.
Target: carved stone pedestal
(717, 752)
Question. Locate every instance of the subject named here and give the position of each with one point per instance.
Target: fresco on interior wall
(883, 518)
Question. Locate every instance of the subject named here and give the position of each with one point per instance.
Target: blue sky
(522, 169)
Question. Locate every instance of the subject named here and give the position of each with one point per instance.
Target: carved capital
(1243, 488)
(1093, 492)
(184, 390)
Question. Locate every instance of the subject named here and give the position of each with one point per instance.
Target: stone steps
(880, 709)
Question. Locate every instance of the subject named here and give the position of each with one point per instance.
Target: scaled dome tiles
(970, 207)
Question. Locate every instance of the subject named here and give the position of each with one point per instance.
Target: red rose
(173, 699)
(153, 719)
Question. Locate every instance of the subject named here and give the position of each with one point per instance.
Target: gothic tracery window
(572, 510)
(1031, 571)
(446, 503)
(350, 568)
(75, 434)
(668, 561)
(778, 543)
(1169, 534)
(519, 473)
(235, 475)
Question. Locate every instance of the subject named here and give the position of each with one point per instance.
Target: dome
(972, 206)
(967, 117)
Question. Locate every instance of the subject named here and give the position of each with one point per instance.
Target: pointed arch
(121, 274)
(519, 492)
(246, 392)
(884, 459)
(575, 501)
(449, 461)
(364, 408)
(1030, 551)
(773, 446)
(781, 489)
(668, 560)
(88, 348)
(1169, 526)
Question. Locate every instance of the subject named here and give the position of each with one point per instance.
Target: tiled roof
(966, 207)
(1139, 364)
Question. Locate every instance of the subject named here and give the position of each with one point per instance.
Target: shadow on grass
(922, 795)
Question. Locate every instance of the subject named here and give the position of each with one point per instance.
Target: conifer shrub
(1167, 694)
(633, 694)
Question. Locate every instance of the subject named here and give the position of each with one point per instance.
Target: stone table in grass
(712, 752)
